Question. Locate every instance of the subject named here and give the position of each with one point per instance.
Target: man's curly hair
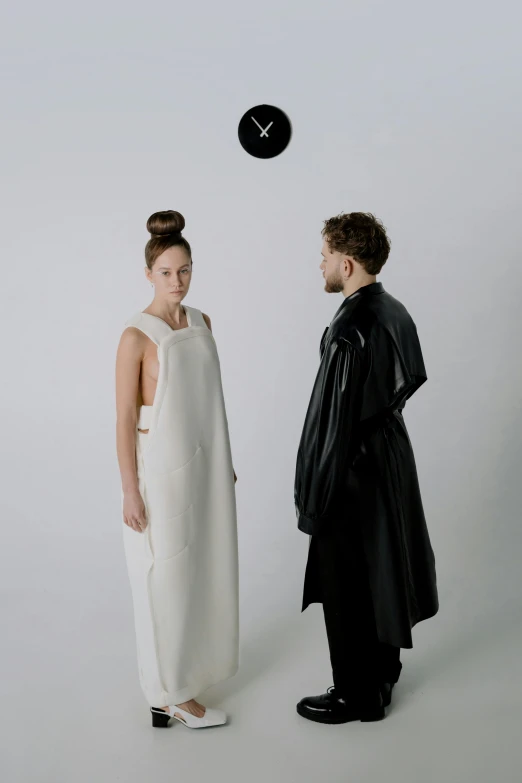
(360, 235)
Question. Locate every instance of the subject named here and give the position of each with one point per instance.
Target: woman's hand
(134, 514)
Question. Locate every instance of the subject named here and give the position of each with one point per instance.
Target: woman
(179, 505)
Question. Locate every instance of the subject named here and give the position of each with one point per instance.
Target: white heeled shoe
(160, 718)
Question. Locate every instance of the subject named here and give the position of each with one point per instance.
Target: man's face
(331, 266)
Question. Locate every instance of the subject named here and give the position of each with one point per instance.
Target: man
(370, 560)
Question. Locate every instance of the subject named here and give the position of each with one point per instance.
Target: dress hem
(189, 692)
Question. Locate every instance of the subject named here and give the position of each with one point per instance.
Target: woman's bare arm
(128, 364)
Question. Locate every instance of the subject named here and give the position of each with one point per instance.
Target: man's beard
(334, 284)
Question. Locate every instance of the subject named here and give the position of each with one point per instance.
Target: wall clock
(264, 131)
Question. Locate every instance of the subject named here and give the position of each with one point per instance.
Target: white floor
(73, 712)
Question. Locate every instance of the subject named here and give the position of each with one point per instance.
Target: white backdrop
(112, 111)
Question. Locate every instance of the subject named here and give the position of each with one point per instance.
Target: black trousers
(359, 661)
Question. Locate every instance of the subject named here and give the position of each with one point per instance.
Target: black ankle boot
(331, 707)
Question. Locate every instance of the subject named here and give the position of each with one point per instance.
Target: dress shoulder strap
(155, 328)
(195, 317)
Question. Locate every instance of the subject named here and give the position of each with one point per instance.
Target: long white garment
(183, 569)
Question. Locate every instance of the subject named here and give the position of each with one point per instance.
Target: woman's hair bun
(164, 223)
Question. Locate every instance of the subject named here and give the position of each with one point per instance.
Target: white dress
(183, 569)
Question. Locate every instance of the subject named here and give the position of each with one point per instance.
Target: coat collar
(373, 288)
(365, 290)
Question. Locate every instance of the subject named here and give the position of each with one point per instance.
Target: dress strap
(155, 328)
(195, 317)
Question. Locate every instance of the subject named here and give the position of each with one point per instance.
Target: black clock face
(264, 131)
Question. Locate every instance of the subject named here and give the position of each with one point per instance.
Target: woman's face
(171, 274)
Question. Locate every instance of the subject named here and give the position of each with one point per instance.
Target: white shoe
(160, 718)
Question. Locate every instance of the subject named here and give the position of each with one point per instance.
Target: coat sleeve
(328, 435)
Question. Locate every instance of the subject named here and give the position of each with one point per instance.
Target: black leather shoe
(330, 707)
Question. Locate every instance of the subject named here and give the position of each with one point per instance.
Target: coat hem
(404, 641)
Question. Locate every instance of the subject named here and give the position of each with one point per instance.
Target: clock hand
(256, 122)
(263, 130)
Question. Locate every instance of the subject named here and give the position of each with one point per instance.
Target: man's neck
(354, 283)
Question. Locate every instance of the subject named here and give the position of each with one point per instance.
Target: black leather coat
(355, 463)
